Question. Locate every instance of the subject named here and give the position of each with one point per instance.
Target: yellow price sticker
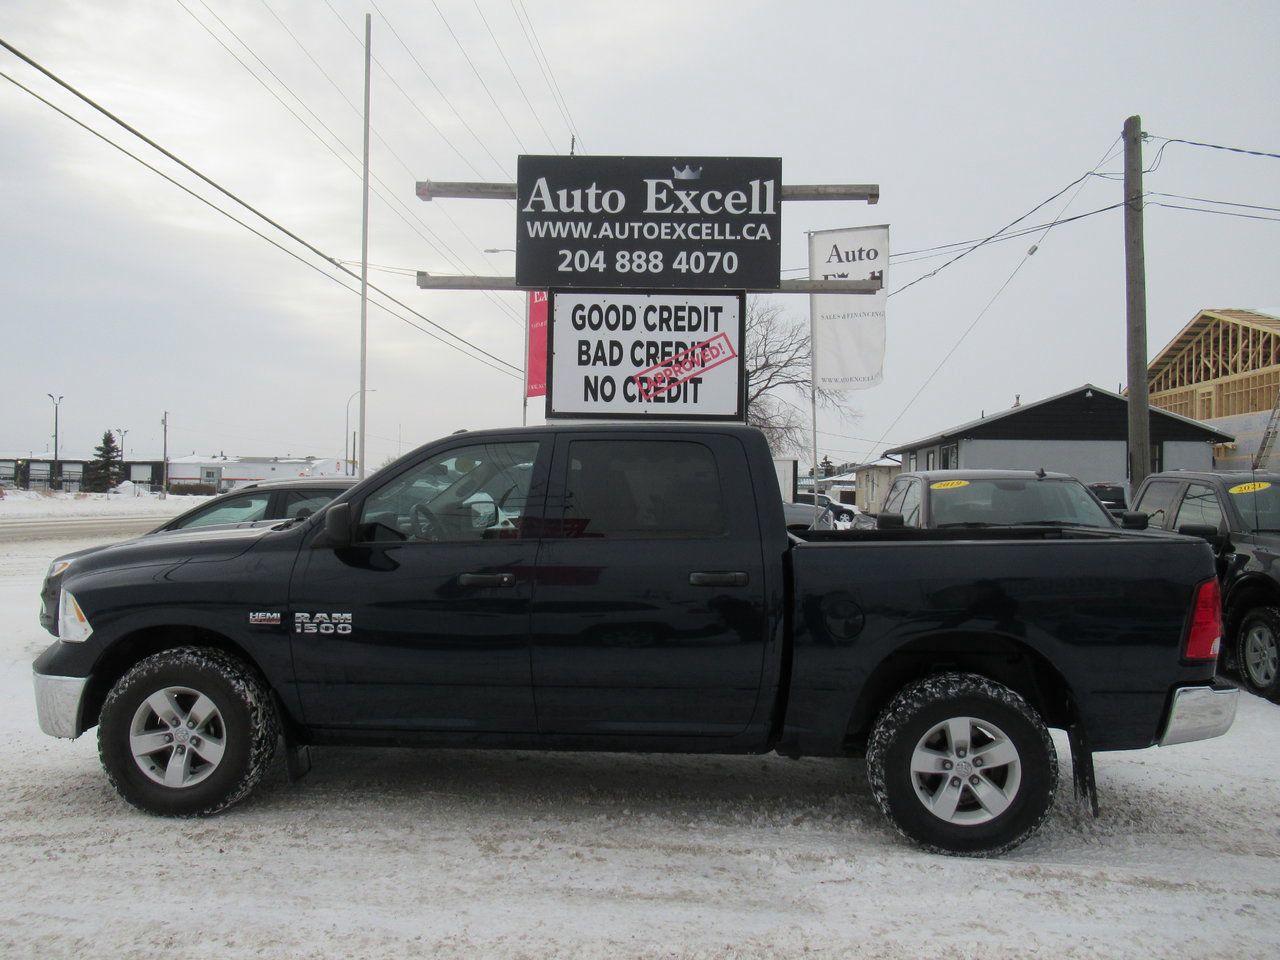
(948, 484)
(1253, 487)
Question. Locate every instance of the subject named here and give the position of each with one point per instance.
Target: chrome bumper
(1199, 713)
(58, 704)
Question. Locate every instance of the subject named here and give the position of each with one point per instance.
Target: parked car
(841, 512)
(264, 500)
(1112, 495)
(638, 584)
(1239, 513)
(801, 516)
(939, 499)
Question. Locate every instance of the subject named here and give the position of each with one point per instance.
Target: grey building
(1082, 432)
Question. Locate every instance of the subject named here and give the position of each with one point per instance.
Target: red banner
(536, 357)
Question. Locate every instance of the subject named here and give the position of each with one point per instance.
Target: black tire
(919, 708)
(246, 718)
(1266, 621)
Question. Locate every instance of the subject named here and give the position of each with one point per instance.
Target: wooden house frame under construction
(1223, 363)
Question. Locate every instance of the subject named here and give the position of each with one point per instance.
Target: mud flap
(297, 760)
(1086, 785)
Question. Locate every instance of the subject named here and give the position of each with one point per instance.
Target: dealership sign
(671, 356)
(649, 222)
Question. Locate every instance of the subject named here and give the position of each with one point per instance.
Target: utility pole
(164, 470)
(1135, 272)
(364, 241)
(55, 466)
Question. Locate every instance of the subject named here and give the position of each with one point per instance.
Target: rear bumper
(58, 702)
(1199, 713)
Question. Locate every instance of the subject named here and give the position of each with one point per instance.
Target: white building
(226, 473)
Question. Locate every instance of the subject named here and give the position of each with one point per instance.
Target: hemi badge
(263, 619)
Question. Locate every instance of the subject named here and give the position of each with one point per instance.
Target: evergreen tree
(106, 468)
(828, 468)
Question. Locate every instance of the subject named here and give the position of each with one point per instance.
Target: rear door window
(643, 489)
(1157, 502)
(1200, 505)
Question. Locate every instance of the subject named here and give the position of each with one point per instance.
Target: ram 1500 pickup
(635, 588)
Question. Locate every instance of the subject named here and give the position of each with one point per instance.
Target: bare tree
(776, 356)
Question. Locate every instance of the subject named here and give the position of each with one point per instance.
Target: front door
(423, 623)
(649, 613)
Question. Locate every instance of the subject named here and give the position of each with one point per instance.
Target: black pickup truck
(1239, 514)
(606, 588)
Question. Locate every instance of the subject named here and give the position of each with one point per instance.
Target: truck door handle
(734, 579)
(487, 579)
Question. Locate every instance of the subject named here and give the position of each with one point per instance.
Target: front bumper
(58, 701)
(1199, 713)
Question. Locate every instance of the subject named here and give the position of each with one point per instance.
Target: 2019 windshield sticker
(948, 484)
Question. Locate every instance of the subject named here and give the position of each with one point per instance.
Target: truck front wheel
(962, 765)
(187, 732)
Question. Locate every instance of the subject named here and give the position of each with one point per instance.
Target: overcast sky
(129, 297)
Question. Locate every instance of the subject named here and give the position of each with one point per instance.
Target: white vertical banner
(848, 328)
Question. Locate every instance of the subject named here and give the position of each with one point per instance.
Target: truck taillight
(1204, 639)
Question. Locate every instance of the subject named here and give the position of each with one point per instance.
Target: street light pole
(346, 431)
(56, 403)
(364, 242)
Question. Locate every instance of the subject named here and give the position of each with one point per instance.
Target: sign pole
(1136, 306)
(364, 246)
(813, 402)
(524, 388)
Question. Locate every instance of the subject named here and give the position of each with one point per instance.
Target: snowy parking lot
(393, 853)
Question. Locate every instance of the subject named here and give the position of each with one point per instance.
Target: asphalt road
(68, 528)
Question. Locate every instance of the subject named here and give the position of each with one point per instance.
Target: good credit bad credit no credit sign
(674, 223)
(628, 355)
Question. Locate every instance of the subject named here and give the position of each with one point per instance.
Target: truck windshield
(1001, 502)
(1259, 504)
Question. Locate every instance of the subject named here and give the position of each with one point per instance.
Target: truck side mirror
(337, 525)
(890, 521)
(1133, 520)
(484, 514)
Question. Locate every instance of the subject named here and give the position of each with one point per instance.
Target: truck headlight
(57, 568)
(73, 625)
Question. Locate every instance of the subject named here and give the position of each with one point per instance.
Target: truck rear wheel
(1258, 651)
(187, 732)
(962, 765)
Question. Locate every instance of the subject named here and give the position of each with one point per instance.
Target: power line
(385, 194)
(549, 71)
(1217, 146)
(1223, 203)
(1221, 213)
(232, 217)
(232, 196)
(413, 103)
(471, 64)
(1008, 280)
(988, 239)
(381, 139)
(443, 96)
(519, 86)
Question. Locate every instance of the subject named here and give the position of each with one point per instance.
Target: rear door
(649, 613)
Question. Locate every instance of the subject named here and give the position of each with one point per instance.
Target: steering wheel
(425, 524)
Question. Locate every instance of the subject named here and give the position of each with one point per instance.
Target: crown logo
(687, 173)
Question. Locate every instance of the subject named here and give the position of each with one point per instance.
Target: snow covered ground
(462, 854)
(31, 504)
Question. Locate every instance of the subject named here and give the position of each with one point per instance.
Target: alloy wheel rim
(966, 771)
(177, 737)
(1260, 655)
